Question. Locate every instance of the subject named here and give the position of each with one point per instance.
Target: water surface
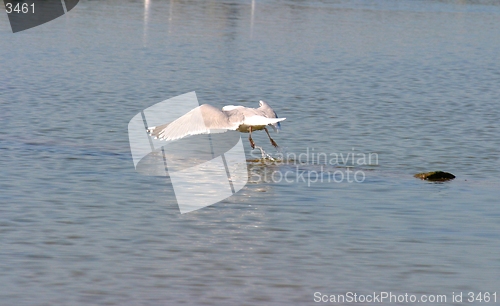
(414, 81)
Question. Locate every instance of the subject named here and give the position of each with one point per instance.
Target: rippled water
(416, 82)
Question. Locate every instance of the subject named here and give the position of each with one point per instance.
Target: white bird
(206, 119)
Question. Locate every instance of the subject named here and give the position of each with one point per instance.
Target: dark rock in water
(435, 176)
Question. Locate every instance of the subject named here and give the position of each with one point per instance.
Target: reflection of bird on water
(206, 119)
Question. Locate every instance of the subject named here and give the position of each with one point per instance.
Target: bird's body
(206, 119)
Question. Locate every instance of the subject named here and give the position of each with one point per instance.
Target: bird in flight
(206, 119)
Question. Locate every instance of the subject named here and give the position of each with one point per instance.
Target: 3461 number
(482, 297)
(20, 8)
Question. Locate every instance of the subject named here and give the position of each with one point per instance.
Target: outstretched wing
(256, 120)
(231, 107)
(201, 120)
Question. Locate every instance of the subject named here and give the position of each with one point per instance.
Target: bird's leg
(272, 140)
(252, 144)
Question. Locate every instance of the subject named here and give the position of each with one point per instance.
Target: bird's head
(269, 111)
(263, 104)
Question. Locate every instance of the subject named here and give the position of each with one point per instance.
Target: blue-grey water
(416, 82)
